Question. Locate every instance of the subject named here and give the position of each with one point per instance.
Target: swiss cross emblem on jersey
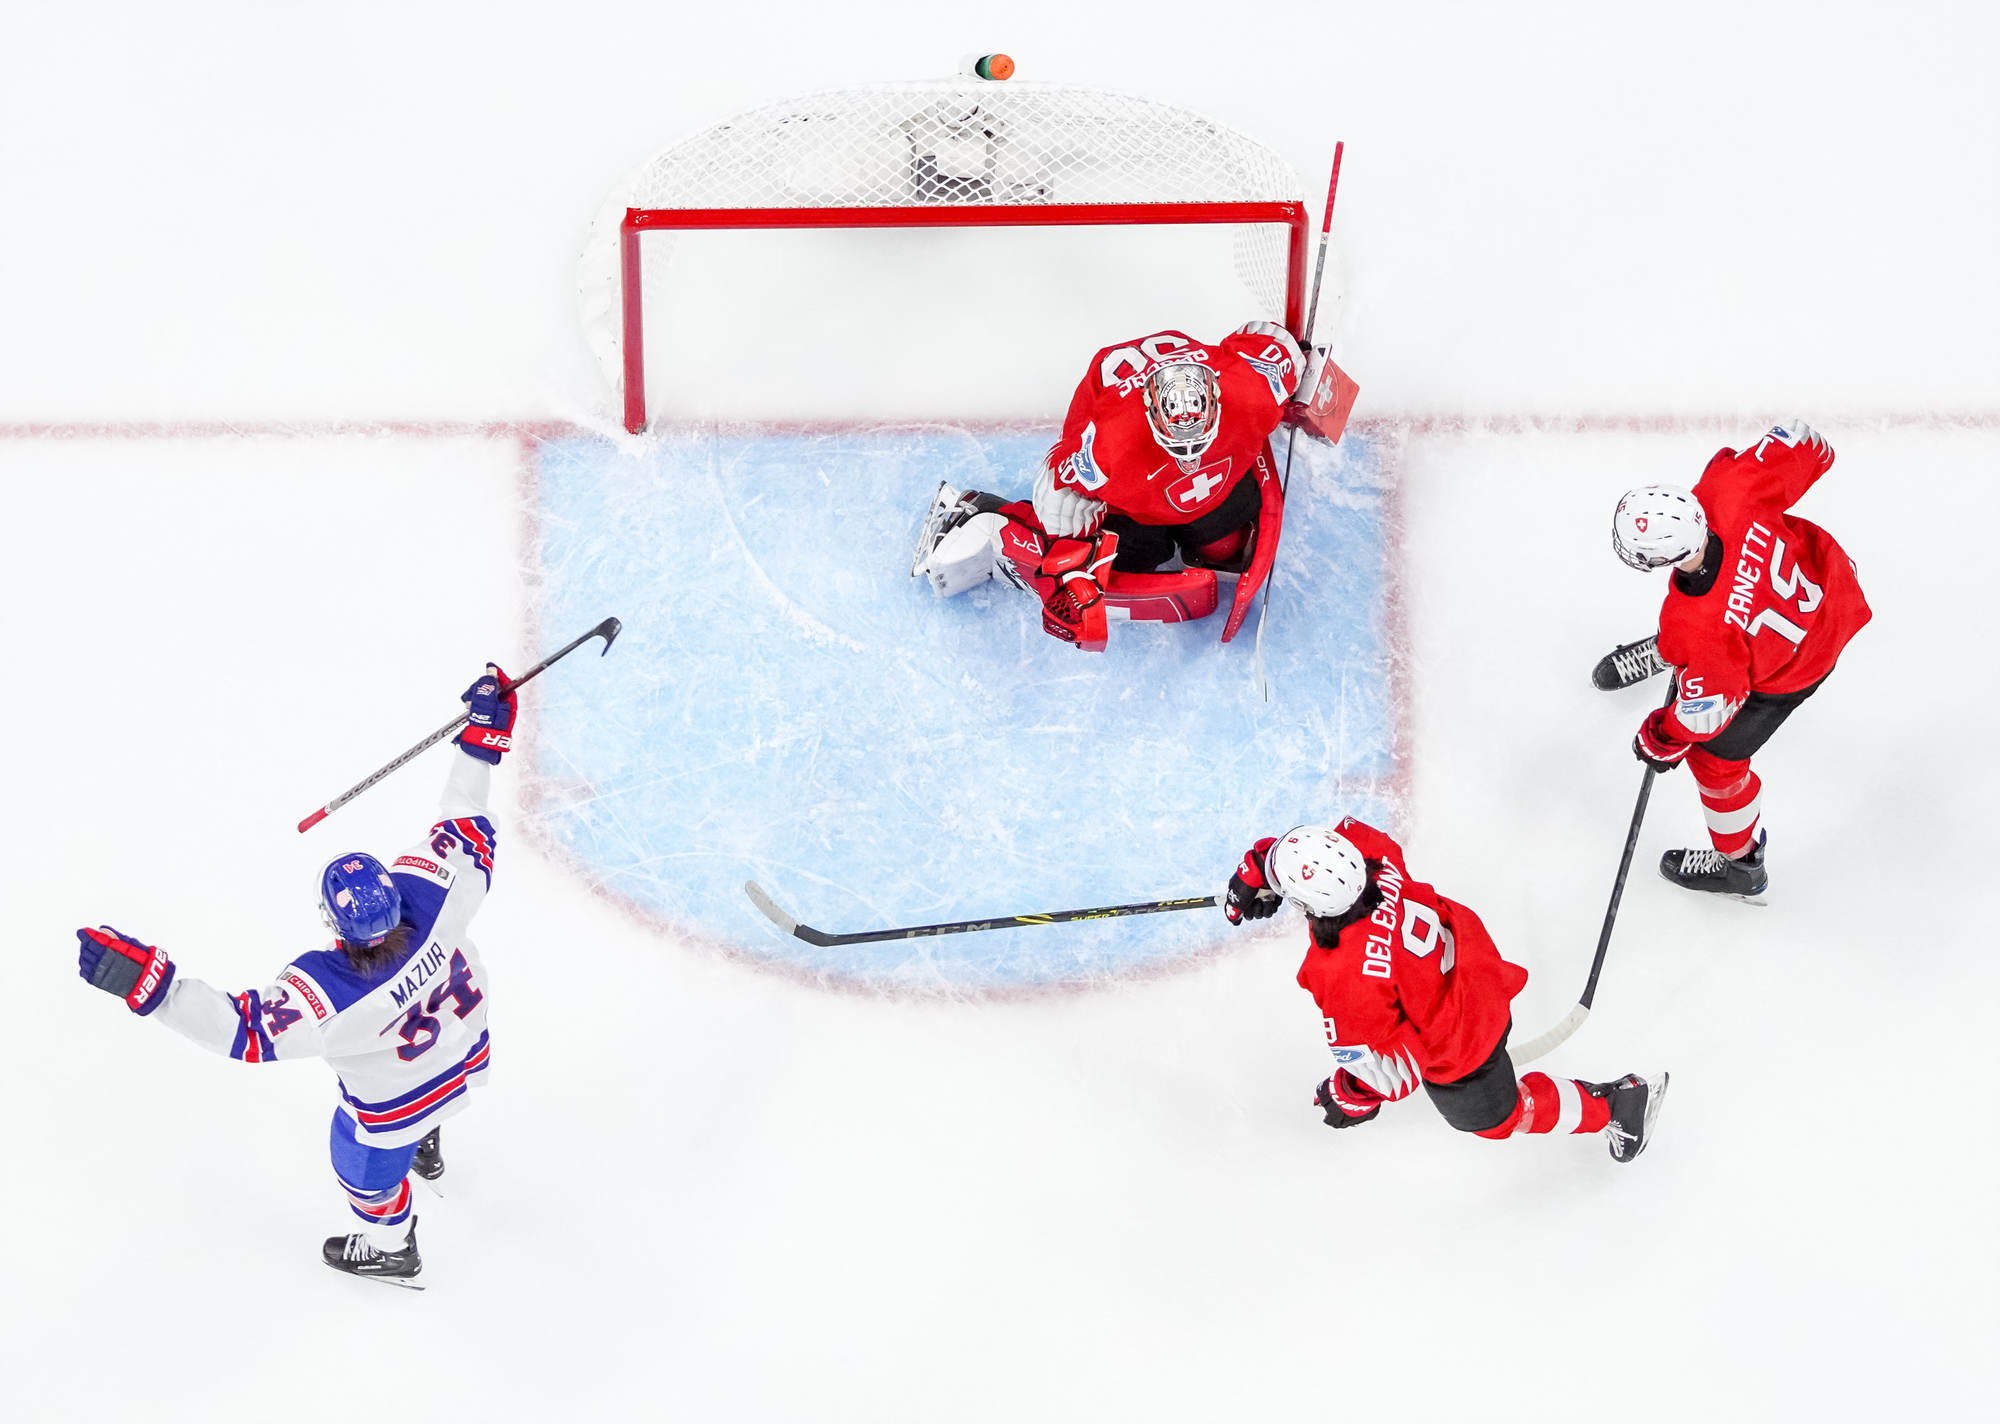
(1190, 492)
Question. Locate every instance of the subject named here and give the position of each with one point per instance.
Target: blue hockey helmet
(358, 900)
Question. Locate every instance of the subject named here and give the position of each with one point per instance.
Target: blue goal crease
(790, 706)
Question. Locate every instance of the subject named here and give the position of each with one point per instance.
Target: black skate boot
(429, 1161)
(1628, 665)
(1635, 1102)
(1710, 870)
(358, 1256)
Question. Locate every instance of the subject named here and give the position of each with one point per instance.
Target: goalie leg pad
(965, 557)
(1178, 597)
(951, 510)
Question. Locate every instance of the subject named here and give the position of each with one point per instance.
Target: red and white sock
(1732, 802)
(1545, 1104)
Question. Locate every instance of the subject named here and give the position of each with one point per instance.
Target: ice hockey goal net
(949, 154)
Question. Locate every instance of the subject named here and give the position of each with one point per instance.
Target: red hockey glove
(1655, 745)
(1250, 895)
(489, 732)
(1347, 1101)
(118, 964)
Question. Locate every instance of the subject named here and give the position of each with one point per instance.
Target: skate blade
(941, 504)
(433, 1185)
(1656, 1097)
(402, 1281)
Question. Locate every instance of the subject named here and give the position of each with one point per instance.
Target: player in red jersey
(1164, 451)
(1760, 606)
(1414, 991)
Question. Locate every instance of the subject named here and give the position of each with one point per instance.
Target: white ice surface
(699, 1192)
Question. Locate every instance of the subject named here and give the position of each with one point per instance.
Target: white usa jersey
(408, 1040)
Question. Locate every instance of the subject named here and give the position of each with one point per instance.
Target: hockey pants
(376, 1179)
(1142, 548)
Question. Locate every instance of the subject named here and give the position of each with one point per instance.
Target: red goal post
(963, 153)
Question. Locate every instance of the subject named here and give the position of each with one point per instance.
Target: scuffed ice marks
(792, 707)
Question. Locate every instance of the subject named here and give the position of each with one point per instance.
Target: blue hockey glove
(489, 732)
(118, 964)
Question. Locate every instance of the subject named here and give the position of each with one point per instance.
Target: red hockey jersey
(1107, 450)
(1415, 991)
(1784, 601)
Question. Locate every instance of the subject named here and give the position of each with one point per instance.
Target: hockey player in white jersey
(396, 1005)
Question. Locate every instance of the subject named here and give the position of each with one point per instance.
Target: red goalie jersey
(1415, 990)
(1785, 600)
(1108, 451)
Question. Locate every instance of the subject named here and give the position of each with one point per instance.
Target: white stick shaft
(1536, 1047)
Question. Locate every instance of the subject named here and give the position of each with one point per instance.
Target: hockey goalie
(1164, 458)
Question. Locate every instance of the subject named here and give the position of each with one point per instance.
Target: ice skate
(1714, 873)
(1628, 665)
(358, 1256)
(429, 1161)
(1635, 1102)
(943, 503)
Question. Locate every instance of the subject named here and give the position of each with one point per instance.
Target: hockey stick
(1573, 1020)
(607, 630)
(791, 926)
(1292, 440)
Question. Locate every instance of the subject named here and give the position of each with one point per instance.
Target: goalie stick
(608, 630)
(1292, 440)
(790, 925)
(1573, 1020)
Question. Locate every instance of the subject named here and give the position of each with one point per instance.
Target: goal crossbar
(1291, 215)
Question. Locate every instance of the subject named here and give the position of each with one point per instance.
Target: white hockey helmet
(1184, 407)
(1657, 525)
(1318, 870)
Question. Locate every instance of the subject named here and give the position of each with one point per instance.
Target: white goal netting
(958, 144)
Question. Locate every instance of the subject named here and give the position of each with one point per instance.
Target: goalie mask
(1184, 407)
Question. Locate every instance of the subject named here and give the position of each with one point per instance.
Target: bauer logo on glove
(118, 964)
(489, 717)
